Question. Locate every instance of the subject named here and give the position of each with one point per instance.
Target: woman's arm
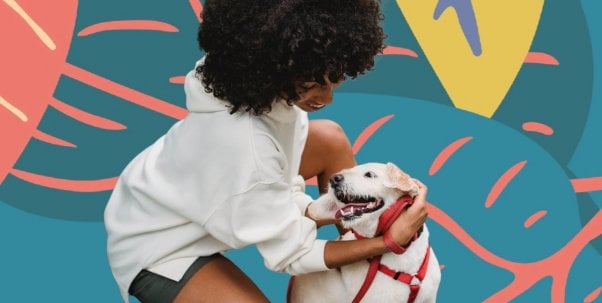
(320, 222)
(339, 253)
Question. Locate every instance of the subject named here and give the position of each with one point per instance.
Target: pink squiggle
(149, 25)
(446, 153)
(177, 79)
(197, 8)
(399, 51)
(541, 58)
(534, 218)
(368, 132)
(360, 141)
(85, 117)
(66, 184)
(584, 185)
(593, 295)
(502, 182)
(44, 137)
(124, 92)
(457, 231)
(556, 266)
(312, 181)
(538, 127)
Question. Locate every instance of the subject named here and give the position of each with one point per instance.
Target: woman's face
(313, 95)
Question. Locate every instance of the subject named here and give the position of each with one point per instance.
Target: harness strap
(407, 278)
(387, 218)
(372, 270)
(384, 222)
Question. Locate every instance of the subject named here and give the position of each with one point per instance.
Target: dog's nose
(336, 180)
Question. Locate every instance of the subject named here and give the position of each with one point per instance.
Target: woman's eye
(308, 86)
(370, 175)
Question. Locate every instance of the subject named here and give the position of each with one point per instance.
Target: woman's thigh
(327, 151)
(220, 281)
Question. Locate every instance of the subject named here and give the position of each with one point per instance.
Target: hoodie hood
(199, 101)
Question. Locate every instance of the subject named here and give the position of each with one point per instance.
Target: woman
(231, 173)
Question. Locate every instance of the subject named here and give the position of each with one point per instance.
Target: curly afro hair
(256, 51)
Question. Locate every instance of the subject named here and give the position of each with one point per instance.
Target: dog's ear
(397, 179)
(322, 208)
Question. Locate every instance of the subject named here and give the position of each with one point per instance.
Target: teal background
(53, 242)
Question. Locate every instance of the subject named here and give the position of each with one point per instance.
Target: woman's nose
(327, 89)
(326, 95)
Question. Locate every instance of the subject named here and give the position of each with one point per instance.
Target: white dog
(358, 196)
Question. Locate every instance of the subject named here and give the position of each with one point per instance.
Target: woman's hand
(320, 222)
(339, 253)
(411, 219)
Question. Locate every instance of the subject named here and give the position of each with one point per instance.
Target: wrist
(404, 239)
(393, 245)
(383, 246)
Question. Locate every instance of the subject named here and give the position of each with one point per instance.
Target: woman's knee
(331, 137)
(327, 151)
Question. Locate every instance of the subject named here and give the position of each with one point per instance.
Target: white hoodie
(213, 182)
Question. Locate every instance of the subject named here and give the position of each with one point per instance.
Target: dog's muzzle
(356, 206)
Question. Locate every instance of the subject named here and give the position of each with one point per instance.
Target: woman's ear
(397, 179)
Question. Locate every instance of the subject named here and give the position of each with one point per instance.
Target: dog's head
(359, 195)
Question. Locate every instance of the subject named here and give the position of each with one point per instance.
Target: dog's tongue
(349, 208)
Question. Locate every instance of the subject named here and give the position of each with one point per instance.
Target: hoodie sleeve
(300, 198)
(265, 216)
(270, 214)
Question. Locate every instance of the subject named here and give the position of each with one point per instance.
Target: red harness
(376, 266)
(384, 222)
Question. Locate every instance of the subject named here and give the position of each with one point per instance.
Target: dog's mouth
(356, 206)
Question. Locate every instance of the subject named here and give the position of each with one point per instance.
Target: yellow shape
(475, 83)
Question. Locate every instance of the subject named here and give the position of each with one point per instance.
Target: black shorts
(149, 287)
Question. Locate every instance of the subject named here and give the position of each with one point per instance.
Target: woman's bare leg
(326, 152)
(220, 281)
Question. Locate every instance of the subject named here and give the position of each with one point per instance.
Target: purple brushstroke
(468, 21)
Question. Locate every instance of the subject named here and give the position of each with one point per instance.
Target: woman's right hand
(411, 220)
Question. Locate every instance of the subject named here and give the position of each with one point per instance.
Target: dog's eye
(370, 175)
